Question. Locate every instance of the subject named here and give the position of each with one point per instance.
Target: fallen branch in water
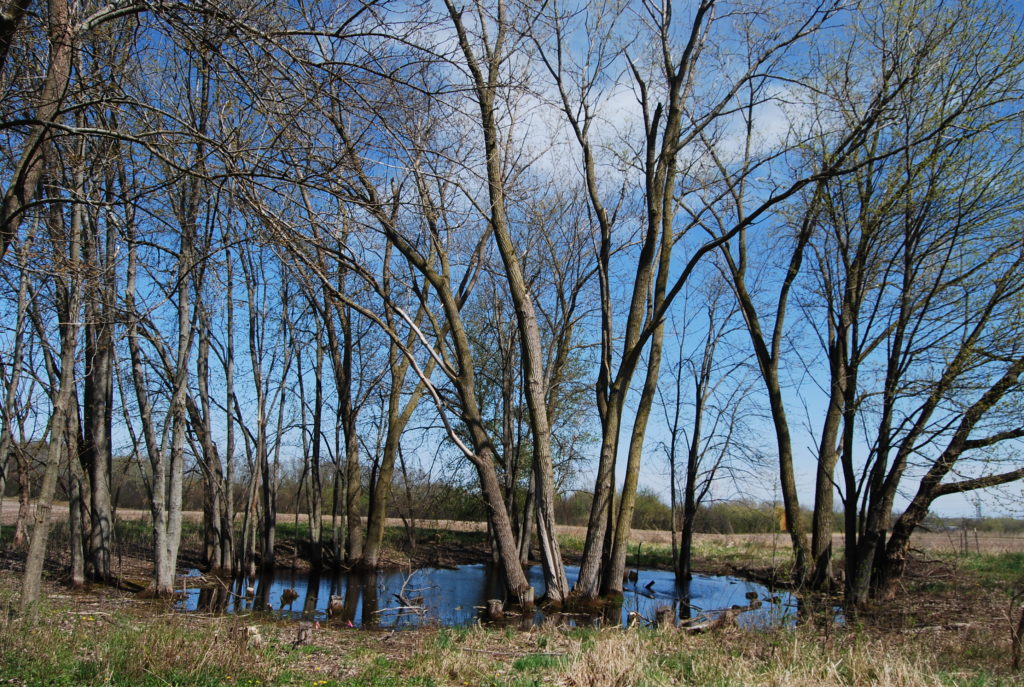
(726, 616)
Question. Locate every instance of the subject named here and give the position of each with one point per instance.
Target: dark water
(458, 597)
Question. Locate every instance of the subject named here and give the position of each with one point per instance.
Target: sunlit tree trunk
(486, 76)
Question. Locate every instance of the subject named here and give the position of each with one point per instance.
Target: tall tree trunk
(171, 517)
(55, 88)
(77, 507)
(213, 471)
(588, 583)
(69, 309)
(824, 487)
(349, 415)
(767, 353)
(528, 523)
(398, 417)
(229, 559)
(684, 569)
(486, 82)
(285, 370)
(616, 567)
(266, 481)
(97, 407)
(315, 491)
(32, 580)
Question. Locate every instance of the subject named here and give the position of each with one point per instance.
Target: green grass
(91, 649)
(533, 663)
(998, 569)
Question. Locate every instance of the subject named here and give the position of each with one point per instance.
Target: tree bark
(77, 508)
(69, 309)
(56, 85)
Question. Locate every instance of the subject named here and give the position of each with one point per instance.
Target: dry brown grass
(612, 657)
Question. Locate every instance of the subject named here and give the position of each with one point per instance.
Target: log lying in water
(726, 617)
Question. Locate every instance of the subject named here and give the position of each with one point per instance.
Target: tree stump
(495, 609)
(335, 606)
(663, 616)
(304, 633)
(253, 638)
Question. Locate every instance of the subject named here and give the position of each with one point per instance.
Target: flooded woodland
(459, 596)
(304, 275)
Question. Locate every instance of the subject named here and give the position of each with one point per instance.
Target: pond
(452, 597)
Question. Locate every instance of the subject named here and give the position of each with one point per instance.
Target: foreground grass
(82, 639)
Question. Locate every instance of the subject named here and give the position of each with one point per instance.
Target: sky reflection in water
(456, 597)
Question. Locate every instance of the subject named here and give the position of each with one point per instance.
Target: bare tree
(679, 115)
(889, 262)
(707, 409)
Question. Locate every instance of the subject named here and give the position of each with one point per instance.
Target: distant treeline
(998, 525)
(421, 497)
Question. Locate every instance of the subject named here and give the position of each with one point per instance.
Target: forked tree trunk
(485, 82)
(616, 567)
(168, 516)
(588, 584)
(824, 488)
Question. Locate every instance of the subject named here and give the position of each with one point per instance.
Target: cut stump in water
(495, 609)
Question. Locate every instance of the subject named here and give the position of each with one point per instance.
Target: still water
(453, 597)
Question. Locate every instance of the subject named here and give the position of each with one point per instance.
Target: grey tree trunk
(9, 410)
(315, 492)
(97, 407)
(77, 507)
(349, 416)
(486, 78)
(70, 287)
